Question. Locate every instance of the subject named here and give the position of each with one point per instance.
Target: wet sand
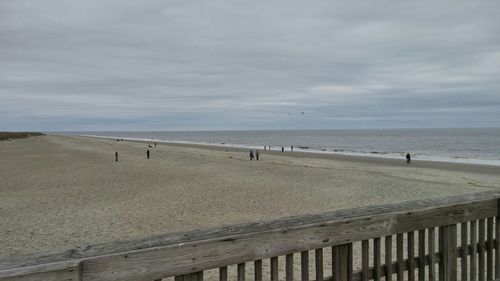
(61, 192)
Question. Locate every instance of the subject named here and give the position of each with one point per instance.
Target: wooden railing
(453, 238)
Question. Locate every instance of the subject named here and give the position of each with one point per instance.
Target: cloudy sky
(203, 65)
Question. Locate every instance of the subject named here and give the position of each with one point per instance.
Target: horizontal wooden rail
(196, 251)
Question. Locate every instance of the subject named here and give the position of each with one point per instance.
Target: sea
(466, 145)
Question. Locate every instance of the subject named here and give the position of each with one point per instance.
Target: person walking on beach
(155, 144)
(408, 158)
(282, 149)
(292, 148)
(251, 155)
(257, 155)
(116, 156)
(147, 153)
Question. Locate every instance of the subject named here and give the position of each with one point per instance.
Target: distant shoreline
(361, 158)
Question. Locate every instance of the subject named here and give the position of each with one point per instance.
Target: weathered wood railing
(385, 236)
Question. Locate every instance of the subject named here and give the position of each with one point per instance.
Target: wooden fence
(452, 238)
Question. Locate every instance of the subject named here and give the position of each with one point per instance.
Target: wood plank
(304, 265)
(178, 254)
(241, 272)
(399, 257)
(482, 247)
(421, 255)
(257, 270)
(497, 247)
(448, 249)
(489, 249)
(365, 255)
(289, 267)
(318, 259)
(388, 258)
(464, 251)
(274, 269)
(376, 259)
(223, 273)
(410, 239)
(65, 270)
(473, 251)
(431, 249)
(442, 210)
(347, 253)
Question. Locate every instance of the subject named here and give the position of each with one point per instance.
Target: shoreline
(358, 158)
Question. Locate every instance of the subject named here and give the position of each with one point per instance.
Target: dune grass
(17, 135)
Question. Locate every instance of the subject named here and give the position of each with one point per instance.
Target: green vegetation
(17, 135)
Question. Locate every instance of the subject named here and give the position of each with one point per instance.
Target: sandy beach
(61, 192)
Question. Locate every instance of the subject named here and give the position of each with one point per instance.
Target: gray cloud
(172, 65)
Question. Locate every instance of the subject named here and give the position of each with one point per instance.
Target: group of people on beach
(268, 147)
(148, 153)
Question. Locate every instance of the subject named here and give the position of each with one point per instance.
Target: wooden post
(241, 272)
(289, 267)
(304, 265)
(399, 256)
(223, 273)
(257, 270)
(342, 262)
(388, 258)
(318, 258)
(365, 260)
(447, 249)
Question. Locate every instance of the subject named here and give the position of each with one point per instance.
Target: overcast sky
(203, 65)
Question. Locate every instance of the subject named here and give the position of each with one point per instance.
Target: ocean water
(476, 146)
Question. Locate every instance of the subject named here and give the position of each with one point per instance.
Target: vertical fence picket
(448, 249)
(257, 270)
(364, 260)
(223, 273)
(421, 255)
(431, 248)
(318, 259)
(399, 257)
(376, 259)
(497, 247)
(388, 258)
(241, 272)
(473, 250)
(464, 251)
(304, 265)
(289, 267)
(274, 269)
(481, 266)
(410, 236)
(489, 249)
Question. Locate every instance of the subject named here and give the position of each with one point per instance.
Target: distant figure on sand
(116, 156)
(282, 149)
(155, 144)
(147, 153)
(257, 155)
(251, 155)
(292, 147)
(408, 158)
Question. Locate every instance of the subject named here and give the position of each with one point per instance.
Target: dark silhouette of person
(147, 153)
(257, 155)
(408, 158)
(251, 155)
(292, 147)
(282, 149)
(155, 144)
(116, 156)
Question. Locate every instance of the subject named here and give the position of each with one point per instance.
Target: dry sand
(61, 192)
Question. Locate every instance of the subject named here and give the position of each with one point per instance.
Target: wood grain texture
(448, 249)
(464, 253)
(421, 255)
(223, 273)
(473, 255)
(318, 259)
(482, 248)
(376, 259)
(365, 256)
(399, 256)
(304, 265)
(185, 253)
(431, 249)
(257, 270)
(410, 239)
(289, 267)
(388, 258)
